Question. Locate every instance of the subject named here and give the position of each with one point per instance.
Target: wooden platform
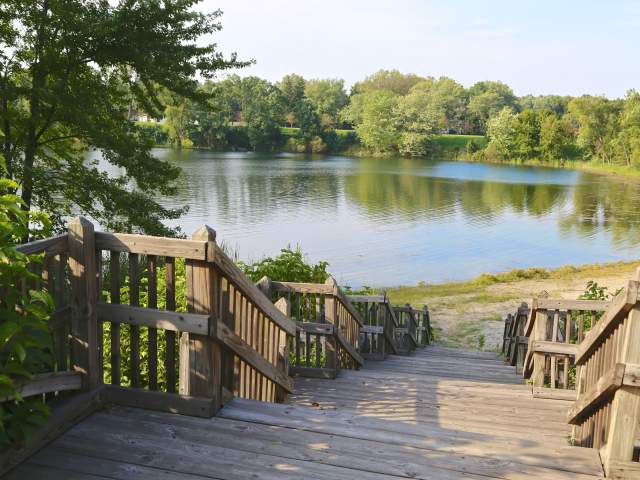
(438, 414)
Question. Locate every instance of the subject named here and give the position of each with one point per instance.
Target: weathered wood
(86, 344)
(314, 372)
(196, 323)
(200, 356)
(52, 245)
(134, 330)
(64, 415)
(620, 307)
(170, 337)
(543, 346)
(242, 282)
(114, 290)
(152, 295)
(316, 328)
(149, 245)
(236, 344)
(564, 304)
(161, 401)
(48, 382)
(598, 393)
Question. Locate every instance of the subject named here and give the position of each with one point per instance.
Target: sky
(564, 47)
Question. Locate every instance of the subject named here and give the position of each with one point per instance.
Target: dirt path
(471, 314)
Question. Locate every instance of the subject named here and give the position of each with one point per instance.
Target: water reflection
(383, 222)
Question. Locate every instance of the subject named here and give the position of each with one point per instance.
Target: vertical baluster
(152, 294)
(134, 330)
(170, 337)
(114, 294)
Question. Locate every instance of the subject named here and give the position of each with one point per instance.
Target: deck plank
(439, 414)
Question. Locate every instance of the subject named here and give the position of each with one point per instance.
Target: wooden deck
(438, 414)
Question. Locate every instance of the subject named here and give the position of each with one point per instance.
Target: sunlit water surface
(401, 221)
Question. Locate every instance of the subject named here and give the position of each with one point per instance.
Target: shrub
(24, 317)
(289, 266)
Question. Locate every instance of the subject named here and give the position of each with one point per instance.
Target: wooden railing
(606, 414)
(379, 323)
(515, 343)
(231, 340)
(555, 329)
(406, 333)
(328, 327)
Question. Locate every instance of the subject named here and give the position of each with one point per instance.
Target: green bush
(24, 316)
(289, 266)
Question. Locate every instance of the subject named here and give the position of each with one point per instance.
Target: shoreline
(470, 314)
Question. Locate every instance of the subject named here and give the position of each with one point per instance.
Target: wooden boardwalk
(438, 414)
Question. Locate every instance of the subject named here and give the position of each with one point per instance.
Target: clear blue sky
(562, 46)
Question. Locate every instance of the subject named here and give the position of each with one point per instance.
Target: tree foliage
(71, 71)
(24, 314)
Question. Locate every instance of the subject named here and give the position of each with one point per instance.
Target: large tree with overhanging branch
(70, 72)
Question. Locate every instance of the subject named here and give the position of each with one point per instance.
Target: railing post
(426, 321)
(625, 409)
(86, 346)
(283, 348)
(264, 285)
(331, 316)
(539, 333)
(200, 357)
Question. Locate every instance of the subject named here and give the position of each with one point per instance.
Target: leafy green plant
(481, 341)
(289, 266)
(24, 314)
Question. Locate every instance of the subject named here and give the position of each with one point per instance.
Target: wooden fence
(379, 323)
(231, 340)
(606, 414)
(514, 345)
(327, 327)
(555, 328)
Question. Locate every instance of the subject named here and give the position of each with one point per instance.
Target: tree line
(390, 112)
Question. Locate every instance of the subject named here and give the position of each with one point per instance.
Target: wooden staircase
(439, 414)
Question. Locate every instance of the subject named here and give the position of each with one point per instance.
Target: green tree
(377, 128)
(556, 137)
(527, 135)
(328, 97)
(448, 98)
(292, 87)
(597, 121)
(69, 71)
(178, 119)
(262, 110)
(486, 99)
(417, 118)
(211, 120)
(501, 131)
(391, 80)
(628, 139)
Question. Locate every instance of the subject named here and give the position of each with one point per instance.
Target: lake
(385, 222)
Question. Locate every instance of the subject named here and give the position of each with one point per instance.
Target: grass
(473, 290)
(453, 142)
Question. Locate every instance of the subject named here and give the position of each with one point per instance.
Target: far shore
(470, 314)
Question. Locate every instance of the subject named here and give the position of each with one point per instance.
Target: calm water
(387, 222)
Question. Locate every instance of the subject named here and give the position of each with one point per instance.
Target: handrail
(554, 330)
(320, 352)
(515, 343)
(233, 339)
(606, 413)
